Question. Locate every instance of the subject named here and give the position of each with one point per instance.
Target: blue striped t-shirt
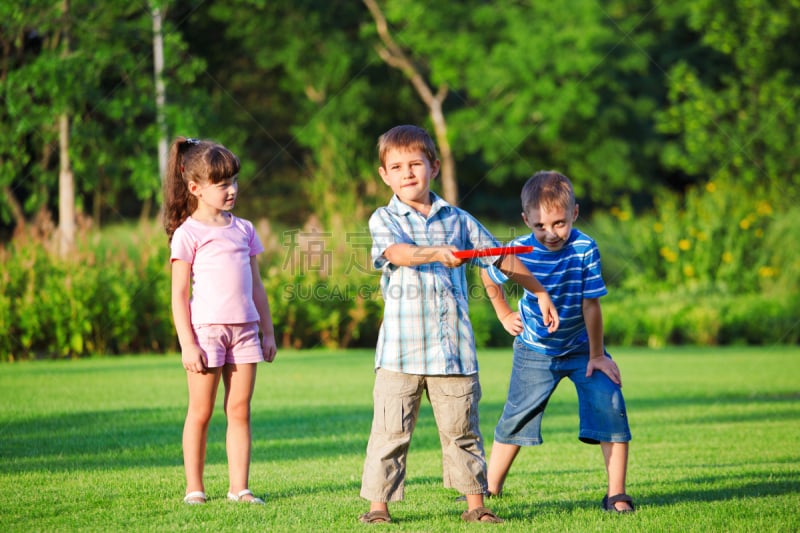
(569, 275)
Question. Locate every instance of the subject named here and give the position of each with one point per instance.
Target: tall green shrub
(321, 285)
(721, 235)
(714, 266)
(109, 297)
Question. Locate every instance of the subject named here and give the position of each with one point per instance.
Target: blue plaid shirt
(426, 328)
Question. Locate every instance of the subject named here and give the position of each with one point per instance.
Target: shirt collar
(400, 208)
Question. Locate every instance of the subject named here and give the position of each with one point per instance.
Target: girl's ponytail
(178, 203)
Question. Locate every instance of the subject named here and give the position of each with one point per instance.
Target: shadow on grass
(118, 439)
(135, 438)
(519, 507)
(152, 437)
(92, 440)
(737, 487)
(781, 407)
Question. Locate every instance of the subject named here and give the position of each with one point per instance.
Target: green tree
(29, 63)
(433, 97)
(535, 85)
(732, 113)
(104, 85)
(313, 99)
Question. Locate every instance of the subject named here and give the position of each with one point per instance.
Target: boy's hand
(194, 359)
(512, 323)
(607, 366)
(446, 257)
(549, 313)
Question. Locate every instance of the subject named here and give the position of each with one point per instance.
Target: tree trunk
(161, 98)
(66, 180)
(448, 172)
(16, 209)
(394, 56)
(161, 101)
(66, 191)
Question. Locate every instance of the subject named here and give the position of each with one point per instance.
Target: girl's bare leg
(239, 384)
(202, 395)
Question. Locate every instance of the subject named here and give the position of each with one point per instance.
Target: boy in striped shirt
(567, 262)
(426, 344)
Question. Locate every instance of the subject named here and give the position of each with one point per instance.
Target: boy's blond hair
(547, 189)
(406, 138)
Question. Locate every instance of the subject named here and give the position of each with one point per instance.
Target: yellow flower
(684, 244)
(668, 254)
(727, 257)
(620, 214)
(748, 221)
(767, 272)
(711, 186)
(688, 271)
(764, 208)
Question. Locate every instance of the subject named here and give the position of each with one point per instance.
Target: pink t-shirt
(222, 283)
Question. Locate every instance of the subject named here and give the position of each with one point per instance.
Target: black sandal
(608, 503)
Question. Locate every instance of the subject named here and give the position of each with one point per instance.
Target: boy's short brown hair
(547, 189)
(406, 137)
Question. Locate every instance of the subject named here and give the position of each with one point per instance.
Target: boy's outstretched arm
(593, 317)
(410, 255)
(507, 316)
(511, 266)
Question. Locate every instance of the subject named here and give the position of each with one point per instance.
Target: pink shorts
(229, 343)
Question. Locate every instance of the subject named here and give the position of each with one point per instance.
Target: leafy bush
(758, 320)
(722, 235)
(716, 268)
(711, 267)
(656, 320)
(321, 286)
(108, 297)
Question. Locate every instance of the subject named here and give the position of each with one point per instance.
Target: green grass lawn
(94, 445)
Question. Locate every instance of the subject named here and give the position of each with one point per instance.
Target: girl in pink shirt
(218, 304)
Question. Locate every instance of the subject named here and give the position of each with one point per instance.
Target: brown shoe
(481, 514)
(375, 517)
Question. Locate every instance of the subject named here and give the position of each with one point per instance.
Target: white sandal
(242, 493)
(195, 498)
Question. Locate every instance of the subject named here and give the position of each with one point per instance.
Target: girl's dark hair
(194, 160)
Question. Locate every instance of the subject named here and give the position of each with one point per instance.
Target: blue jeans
(534, 378)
